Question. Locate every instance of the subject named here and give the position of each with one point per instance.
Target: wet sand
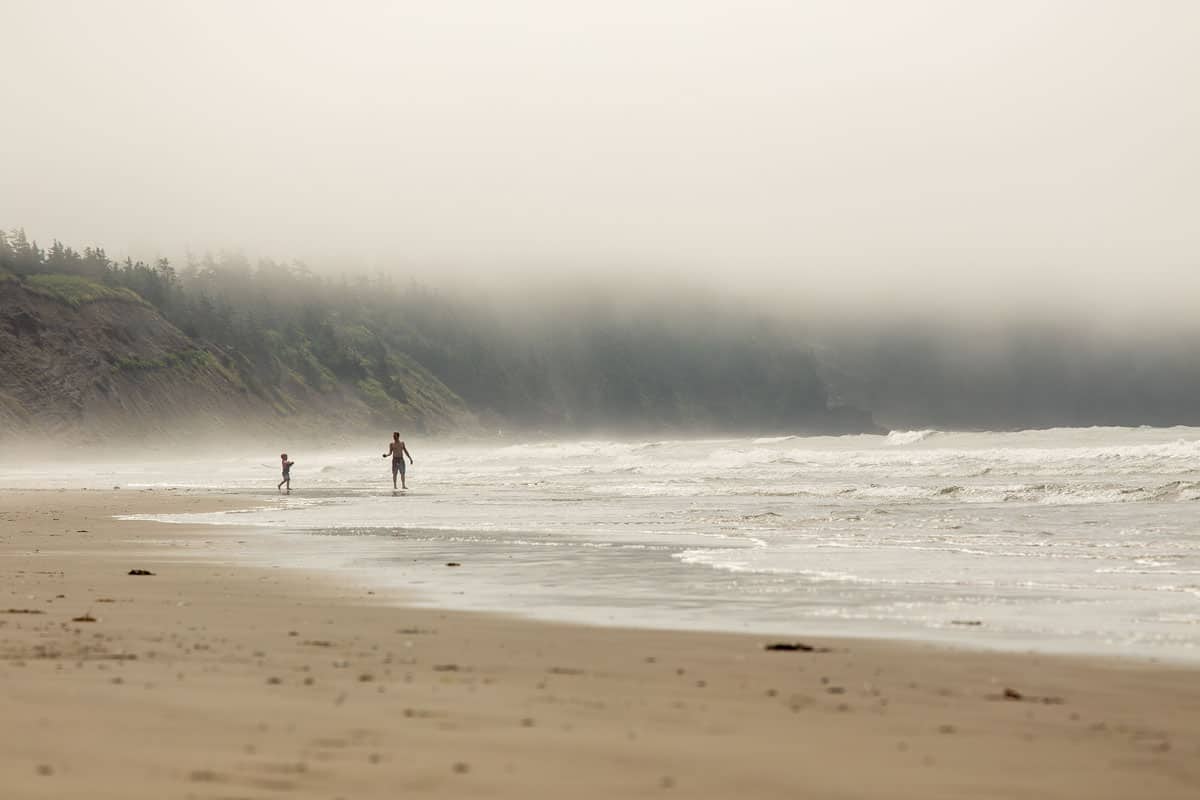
(213, 680)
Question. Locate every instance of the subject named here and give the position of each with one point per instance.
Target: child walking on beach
(287, 473)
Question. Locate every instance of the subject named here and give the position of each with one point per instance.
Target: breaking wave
(900, 438)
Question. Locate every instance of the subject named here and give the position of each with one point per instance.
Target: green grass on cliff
(75, 291)
(185, 358)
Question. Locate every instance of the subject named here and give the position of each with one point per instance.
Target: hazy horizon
(925, 154)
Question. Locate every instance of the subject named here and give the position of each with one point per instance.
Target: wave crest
(900, 438)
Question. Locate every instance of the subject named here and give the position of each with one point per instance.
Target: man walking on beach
(398, 451)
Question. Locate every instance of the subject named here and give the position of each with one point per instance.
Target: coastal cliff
(98, 363)
(99, 349)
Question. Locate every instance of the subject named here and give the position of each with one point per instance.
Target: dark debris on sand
(1014, 695)
(795, 647)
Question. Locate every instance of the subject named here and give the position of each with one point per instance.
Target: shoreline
(419, 595)
(362, 559)
(214, 679)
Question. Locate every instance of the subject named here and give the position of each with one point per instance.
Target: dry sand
(211, 680)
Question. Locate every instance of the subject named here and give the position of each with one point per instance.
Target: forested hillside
(369, 350)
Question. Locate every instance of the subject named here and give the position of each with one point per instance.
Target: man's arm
(404, 450)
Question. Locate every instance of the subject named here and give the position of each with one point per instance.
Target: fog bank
(937, 155)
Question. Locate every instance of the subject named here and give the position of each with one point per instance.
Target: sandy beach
(208, 679)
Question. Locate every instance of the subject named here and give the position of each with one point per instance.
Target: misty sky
(895, 147)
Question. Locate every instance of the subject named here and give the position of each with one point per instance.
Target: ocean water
(1080, 540)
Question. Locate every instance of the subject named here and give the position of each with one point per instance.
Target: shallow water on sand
(1062, 540)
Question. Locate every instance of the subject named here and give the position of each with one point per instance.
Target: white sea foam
(775, 439)
(898, 438)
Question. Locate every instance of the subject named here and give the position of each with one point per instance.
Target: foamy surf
(900, 438)
(1073, 539)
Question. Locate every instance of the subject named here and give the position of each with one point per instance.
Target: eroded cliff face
(98, 365)
(105, 366)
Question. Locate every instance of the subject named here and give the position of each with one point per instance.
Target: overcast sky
(898, 147)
